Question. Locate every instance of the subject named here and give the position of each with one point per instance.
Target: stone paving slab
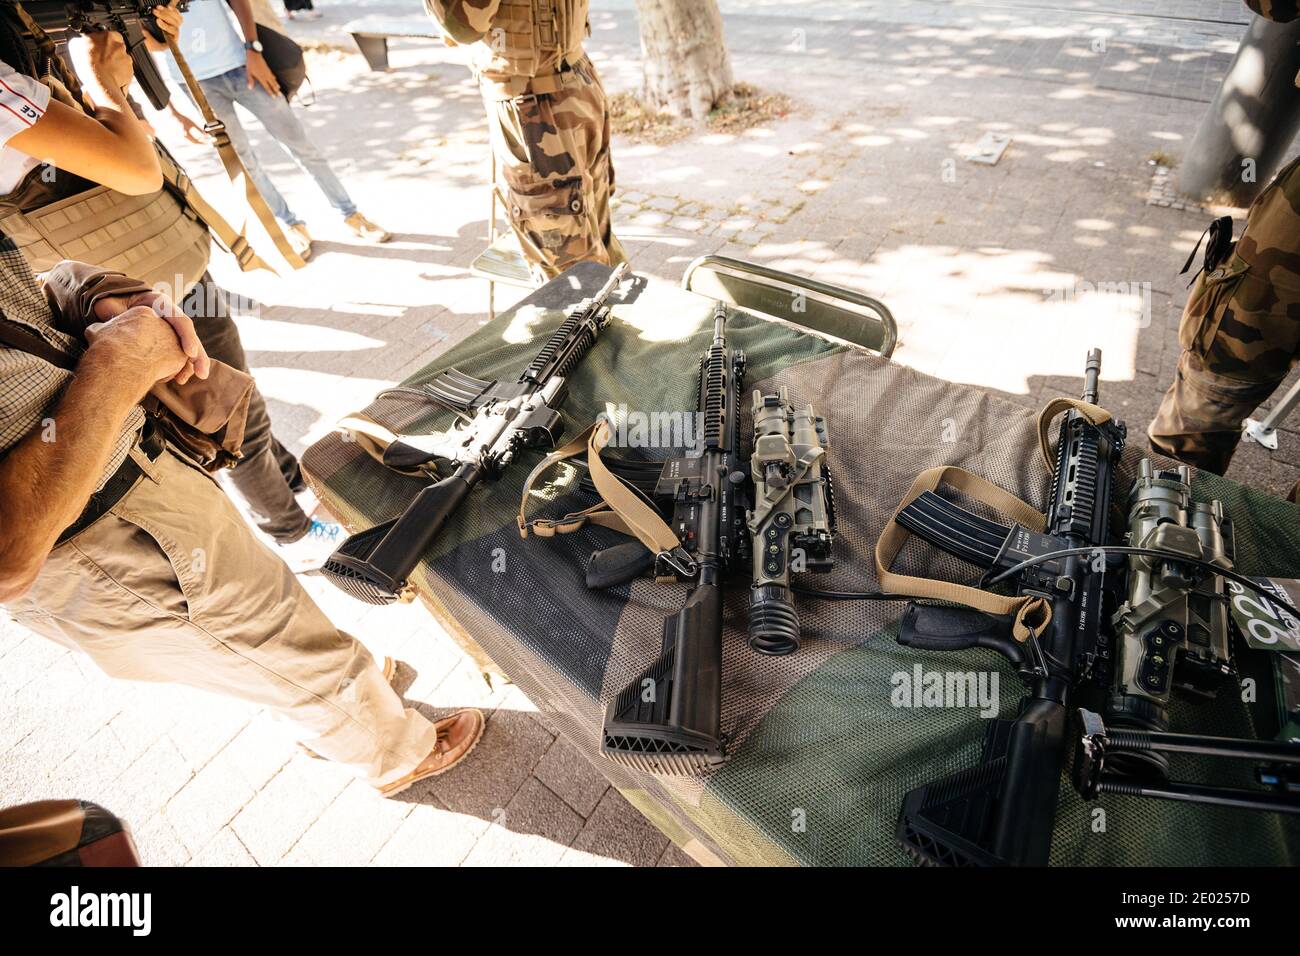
(1002, 276)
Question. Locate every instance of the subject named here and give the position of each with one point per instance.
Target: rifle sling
(620, 509)
(1093, 413)
(230, 160)
(235, 242)
(1030, 614)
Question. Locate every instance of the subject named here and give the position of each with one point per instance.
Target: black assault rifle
(498, 419)
(1001, 810)
(63, 18)
(668, 720)
(1122, 635)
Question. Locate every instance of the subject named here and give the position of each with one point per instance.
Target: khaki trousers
(171, 585)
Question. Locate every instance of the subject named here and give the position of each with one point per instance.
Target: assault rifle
(1001, 810)
(131, 18)
(1118, 644)
(498, 419)
(668, 720)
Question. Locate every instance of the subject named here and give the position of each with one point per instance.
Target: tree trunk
(687, 70)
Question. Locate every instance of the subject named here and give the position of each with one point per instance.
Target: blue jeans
(275, 114)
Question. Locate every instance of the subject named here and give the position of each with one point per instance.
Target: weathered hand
(169, 22)
(143, 347)
(198, 364)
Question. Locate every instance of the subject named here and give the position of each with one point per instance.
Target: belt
(119, 483)
(515, 87)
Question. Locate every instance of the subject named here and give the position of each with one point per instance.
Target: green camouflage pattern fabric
(821, 754)
(514, 38)
(1240, 333)
(553, 153)
(548, 119)
(1281, 11)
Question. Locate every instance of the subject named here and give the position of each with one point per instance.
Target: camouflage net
(820, 758)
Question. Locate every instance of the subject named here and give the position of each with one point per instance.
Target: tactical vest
(526, 45)
(53, 215)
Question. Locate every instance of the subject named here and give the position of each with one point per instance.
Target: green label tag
(1267, 627)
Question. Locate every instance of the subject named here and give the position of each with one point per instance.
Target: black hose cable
(1241, 579)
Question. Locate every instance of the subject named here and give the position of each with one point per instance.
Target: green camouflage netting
(820, 758)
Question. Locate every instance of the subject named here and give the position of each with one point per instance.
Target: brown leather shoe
(457, 737)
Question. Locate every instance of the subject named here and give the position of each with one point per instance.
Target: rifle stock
(497, 420)
(668, 719)
(373, 566)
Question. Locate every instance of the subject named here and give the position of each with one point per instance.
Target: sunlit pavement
(1000, 276)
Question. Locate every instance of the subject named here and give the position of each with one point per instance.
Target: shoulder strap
(24, 340)
(621, 508)
(1029, 613)
(230, 160)
(234, 242)
(1094, 413)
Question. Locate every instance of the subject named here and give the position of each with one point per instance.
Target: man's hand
(177, 356)
(142, 348)
(259, 72)
(169, 22)
(192, 130)
(103, 54)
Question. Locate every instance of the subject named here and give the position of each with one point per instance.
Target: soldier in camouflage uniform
(549, 123)
(1240, 330)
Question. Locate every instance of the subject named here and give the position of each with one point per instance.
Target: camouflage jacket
(514, 38)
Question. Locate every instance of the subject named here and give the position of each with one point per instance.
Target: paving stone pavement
(1000, 276)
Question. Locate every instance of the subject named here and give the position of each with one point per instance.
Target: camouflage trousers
(553, 153)
(1240, 334)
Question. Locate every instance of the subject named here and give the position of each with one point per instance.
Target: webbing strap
(621, 508)
(230, 160)
(1031, 614)
(1094, 413)
(374, 438)
(234, 241)
(50, 51)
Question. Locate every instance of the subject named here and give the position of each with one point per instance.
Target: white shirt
(23, 101)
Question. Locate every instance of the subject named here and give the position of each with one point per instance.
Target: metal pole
(1265, 432)
(492, 238)
(1252, 121)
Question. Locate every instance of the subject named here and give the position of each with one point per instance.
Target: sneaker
(300, 239)
(458, 735)
(363, 228)
(310, 551)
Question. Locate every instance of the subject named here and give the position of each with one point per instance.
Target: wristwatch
(254, 46)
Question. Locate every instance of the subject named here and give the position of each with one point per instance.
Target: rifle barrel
(1092, 377)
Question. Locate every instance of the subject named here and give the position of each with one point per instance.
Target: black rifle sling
(24, 340)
